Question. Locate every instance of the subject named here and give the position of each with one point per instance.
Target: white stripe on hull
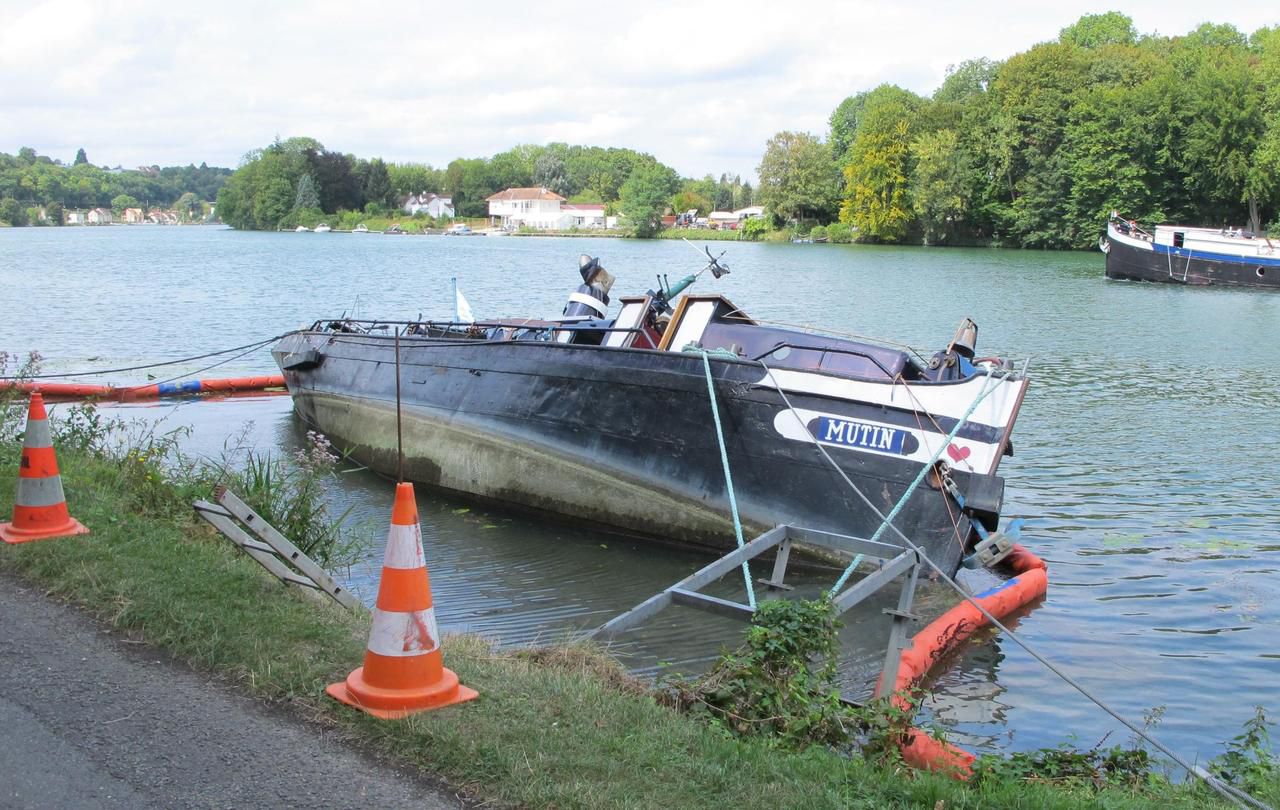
(949, 400)
(968, 455)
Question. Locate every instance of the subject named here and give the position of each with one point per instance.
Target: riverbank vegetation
(1034, 151)
(559, 726)
(36, 189)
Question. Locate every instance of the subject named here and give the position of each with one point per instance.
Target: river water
(1146, 450)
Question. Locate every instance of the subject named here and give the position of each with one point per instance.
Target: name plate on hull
(849, 433)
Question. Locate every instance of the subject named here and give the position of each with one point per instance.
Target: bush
(753, 229)
(839, 233)
(819, 233)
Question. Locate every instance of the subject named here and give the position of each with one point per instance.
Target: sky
(700, 85)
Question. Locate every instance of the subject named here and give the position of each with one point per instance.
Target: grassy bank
(563, 727)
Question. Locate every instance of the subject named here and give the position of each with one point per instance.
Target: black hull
(1187, 267)
(622, 438)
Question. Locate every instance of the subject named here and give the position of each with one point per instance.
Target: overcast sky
(700, 85)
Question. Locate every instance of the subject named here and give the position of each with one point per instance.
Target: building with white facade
(430, 204)
(529, 208)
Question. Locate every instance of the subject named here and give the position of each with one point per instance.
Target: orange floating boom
(944, 634)
(144, 392)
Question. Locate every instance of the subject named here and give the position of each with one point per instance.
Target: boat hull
(1142, 260)
(618, 437)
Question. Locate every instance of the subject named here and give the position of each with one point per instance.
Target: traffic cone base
(13, 535)
(40, 508)
(403, 670)
(393, 704)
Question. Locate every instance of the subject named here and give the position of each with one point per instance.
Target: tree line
(29, 181)
(1034, 151)
(278, 184)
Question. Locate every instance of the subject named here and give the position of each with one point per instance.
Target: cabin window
(1178, 237)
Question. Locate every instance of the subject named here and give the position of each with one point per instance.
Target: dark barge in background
(1177, 254)
(608, 420)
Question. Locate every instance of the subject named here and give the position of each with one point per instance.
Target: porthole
(783, 352)
(1262, 271)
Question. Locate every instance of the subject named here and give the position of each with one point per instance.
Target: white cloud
(700, 85)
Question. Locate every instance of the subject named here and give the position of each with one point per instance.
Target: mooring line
(1221, 787)
(98, 373)
(728, 477)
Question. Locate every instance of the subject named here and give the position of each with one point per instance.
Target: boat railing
(462, 330)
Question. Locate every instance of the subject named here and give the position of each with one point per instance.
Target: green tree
(549, 172)
(188, 206)
(377, 184)
(844, 124)
(54, 213)
(81, 158)
(877, 194)
(939, 183)
(1096, 30)
(798, 178)
(643, 198)
(307, 197)
(12, 212)
(121, 202)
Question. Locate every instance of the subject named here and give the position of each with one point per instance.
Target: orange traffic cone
(403, 670)
(40, 510)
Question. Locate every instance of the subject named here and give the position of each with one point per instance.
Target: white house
(430, 204)
(99, 216)
(75, 216)
(584, 215)
(750, 212)
(529, 207)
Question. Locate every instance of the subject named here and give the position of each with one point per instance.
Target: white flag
(462, 310)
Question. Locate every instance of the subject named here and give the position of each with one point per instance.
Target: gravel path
(87, 721)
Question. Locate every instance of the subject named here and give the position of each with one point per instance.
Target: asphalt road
(88, 721)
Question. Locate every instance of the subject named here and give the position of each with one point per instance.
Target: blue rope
(987, 388)
(728, 478)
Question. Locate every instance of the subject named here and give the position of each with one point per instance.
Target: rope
(728, 477)
(249, 346)
(1225, 790)
(987, 388)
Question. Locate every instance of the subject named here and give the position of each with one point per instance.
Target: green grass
(564, 727)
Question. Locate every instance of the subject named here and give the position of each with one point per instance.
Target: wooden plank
(874, 581)
(285, 548)
(711, 604)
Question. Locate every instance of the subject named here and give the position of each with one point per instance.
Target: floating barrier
(40, 508)
(1029, 583)
(135, 393)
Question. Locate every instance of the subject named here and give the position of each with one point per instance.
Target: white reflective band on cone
(40, 492)
(404, 547)
(404, 634)
(583, 298)
(37, 434)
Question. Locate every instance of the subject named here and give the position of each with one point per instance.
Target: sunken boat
(1177, 254)
(608, 419)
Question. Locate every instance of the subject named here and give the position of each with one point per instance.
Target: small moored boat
(361, 228)
(1178, 254)
(323, 228)
(302, 229)
(608, 419)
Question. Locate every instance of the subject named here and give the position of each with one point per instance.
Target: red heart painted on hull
(957, 453)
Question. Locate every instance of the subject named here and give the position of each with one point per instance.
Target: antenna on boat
(399, 432)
